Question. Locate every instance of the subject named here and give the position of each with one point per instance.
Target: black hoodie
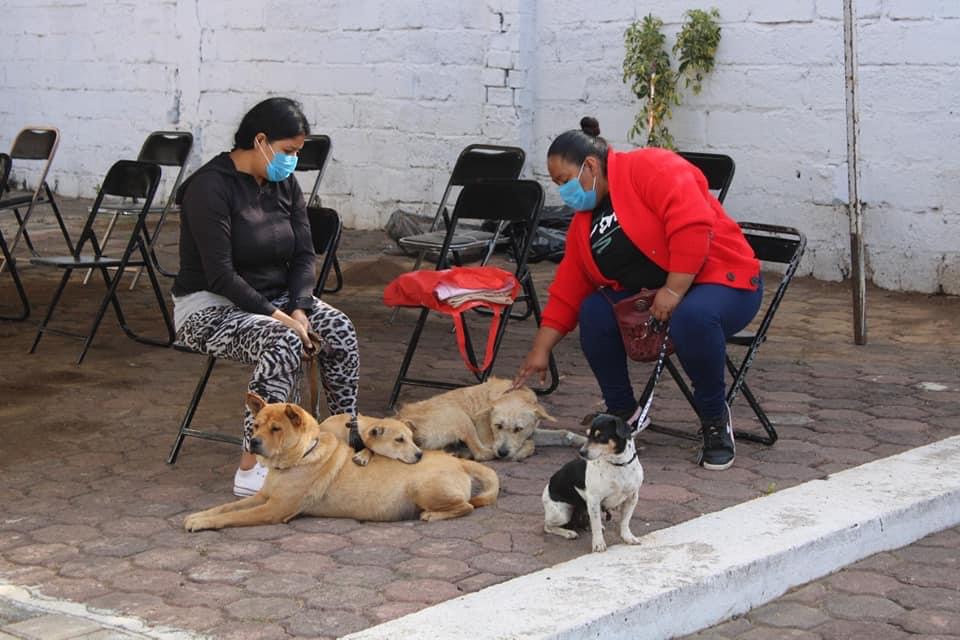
(247, 242)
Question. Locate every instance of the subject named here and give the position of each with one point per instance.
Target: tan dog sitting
(490, 419)
(382, 436)
(310, 473)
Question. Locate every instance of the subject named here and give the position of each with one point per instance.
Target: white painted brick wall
(402, 86)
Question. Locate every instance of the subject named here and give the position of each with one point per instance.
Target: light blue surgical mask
(280, 167)
(574, 195)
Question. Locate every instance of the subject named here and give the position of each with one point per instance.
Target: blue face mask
(280, 167)
(574, 195)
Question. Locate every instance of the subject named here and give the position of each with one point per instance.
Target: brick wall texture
(402, 85)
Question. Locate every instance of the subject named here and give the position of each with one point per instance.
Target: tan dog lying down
(310, 473)
(382, 436)
(490, 419)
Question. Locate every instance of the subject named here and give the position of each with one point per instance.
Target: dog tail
(488, 480)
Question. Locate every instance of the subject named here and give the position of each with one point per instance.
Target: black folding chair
(126, 178)
(475, 163)
(166, 149)
(314, 157)
(512, 201)
(717, 168)
(34, 144)
(773, 245)
(325, 227)
(24, 311)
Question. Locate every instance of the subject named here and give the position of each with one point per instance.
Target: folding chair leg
(103, 242)
(685, 390)
(59, 216)
(109, 297)
(50, 308)
(154, 238)
(338, 274)
(21, 230)
(188, 416)
(408, 357)
(761, 416)
(24, 312)
(158, 294)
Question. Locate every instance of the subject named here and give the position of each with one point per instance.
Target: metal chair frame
(34, 143)
(24, 311)
(772, 244)
(166, 149)
(126, 178)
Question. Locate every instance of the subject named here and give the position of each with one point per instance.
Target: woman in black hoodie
(247, 271)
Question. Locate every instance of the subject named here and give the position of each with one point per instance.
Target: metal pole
(853, 172)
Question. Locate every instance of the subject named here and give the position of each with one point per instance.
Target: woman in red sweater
(646, 219)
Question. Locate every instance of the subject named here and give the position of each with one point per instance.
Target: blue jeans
(706, 316)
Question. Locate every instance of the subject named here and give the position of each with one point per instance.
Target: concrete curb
(698, 573)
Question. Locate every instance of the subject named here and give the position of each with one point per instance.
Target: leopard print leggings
(276, 350)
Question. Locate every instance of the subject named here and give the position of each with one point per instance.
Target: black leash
(638, 417)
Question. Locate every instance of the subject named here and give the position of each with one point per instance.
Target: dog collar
(312, 447)
(623, 464)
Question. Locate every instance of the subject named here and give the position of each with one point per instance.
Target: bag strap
(491, 338)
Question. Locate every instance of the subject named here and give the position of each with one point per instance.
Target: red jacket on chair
(665, 208)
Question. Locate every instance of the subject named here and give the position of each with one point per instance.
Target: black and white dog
(605, 477)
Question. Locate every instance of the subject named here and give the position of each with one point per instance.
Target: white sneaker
(248, 482)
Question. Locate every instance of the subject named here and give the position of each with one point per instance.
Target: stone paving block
(787, 615)
(862, 607)
(326, 622)
(421, 590)
(926, 598)
(768, 633)
(850, 630)
(263, 609)
(864, 582)
(931, 622)
(52, 627)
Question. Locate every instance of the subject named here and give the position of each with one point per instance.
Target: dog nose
(255, 444)
(502, 452)
(419, 455)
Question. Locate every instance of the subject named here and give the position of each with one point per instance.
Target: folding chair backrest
(313, 157)
(512, 201)
(325, 227)
(717, 168)
(167, 148)
(487, 162)
(780, 245)
(35, 143)
(125, 179)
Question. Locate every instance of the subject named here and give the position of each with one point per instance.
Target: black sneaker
(719, 448)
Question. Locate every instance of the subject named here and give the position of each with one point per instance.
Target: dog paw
(362, 458)
(599, 547)
(195, 522)
(629, 538)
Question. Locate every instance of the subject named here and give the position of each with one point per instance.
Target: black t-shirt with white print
(617, 258)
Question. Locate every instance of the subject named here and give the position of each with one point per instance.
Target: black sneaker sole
(717, 467)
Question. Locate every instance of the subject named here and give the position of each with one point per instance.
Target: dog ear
(410, 424)
(624, 430)
(255, 403)
(293, 415)
(542, 413)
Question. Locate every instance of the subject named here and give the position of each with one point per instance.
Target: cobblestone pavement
(93, 514)
(913, 592)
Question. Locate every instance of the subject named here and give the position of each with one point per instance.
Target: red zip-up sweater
(665, 208)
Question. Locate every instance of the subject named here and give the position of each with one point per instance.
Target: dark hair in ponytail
(279, 118)
(576, 144)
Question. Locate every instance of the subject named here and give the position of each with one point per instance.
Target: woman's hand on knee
(301, 316)
(293, 324)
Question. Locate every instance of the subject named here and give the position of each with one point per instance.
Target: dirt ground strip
(93, 514)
